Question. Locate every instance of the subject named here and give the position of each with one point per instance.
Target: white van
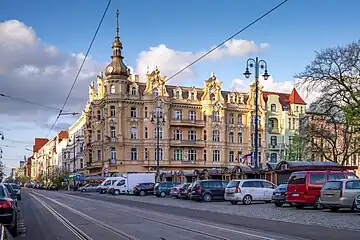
(126, 184)
(103, 187)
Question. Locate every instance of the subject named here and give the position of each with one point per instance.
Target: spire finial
(117, 23)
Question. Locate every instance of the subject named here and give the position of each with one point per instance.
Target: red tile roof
(285, 98)
(295, 97)
(39, 143)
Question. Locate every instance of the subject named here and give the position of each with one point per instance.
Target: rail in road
(114, 218)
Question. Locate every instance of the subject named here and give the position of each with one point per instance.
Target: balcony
(187, 143)
(187, 123)
(274, 130)
(276, 146)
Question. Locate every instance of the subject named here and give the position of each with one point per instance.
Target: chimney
(137, 78)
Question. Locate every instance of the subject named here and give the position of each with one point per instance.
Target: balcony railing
(274, 130)
(187, 122)
(276, 146)
(187, 143)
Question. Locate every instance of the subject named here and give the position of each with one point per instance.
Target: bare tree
(335, 74)
(329, 138)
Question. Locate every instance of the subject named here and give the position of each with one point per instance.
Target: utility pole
(257, 64)
(158, 117)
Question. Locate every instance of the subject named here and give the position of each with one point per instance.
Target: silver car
(338, 194)
(90, 187)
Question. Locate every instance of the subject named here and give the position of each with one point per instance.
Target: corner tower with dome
(205, 129)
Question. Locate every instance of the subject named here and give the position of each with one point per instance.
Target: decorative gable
(177, 92)
(156, 84)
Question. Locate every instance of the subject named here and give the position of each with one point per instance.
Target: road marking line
(93, 220)
(75, 230)
(169, 216)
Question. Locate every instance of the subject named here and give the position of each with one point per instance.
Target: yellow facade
(200, 127)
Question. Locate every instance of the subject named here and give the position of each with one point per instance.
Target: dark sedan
(17, 190)
(279, 195)
(8, 210)
(12, 192)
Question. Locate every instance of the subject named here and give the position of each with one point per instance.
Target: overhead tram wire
(81, 66)
(28, 102)
(228, 39)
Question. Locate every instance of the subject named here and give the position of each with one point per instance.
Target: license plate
(277, 194)
(295, 194)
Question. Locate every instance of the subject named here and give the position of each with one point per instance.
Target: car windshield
(282, 187)
(9, 188)
(233, 184)
(15, 186)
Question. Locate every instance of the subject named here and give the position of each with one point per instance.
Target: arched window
(273, 107)
(133, 154)
(112, 89)
(155, 92)
(212, 96)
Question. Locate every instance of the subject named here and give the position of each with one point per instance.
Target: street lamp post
(158, 119)
(257, 65)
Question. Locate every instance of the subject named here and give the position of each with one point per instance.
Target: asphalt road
(294, 230)
(99, 219)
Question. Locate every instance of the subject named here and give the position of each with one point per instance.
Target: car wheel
(116, 192)
(247, 200)
(83, 190)
(142, 193)
(234, 202)
(19, 197)
(163, 194)
(207, 198)
(317, 205)
(278, 204)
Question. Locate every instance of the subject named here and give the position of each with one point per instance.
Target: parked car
(53, 187)
(12, 193)
(17, 190)
(8, 209)
(143, 189)
(90, 187)
(249, 190)
(340, 194)
(279, 195)
(304, 186)
(208, 190)
(177, 190)
(162, 189)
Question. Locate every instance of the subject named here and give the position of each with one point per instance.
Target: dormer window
(112, 89)
(177, 94)
(192, 96)
(231, 99)
(273, 107)
(155, 92)
(133, 90)
(212, 96)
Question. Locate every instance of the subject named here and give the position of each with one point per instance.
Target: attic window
(231, 99)
(273, 107)
(133, 90)
(177, 94)
(155, 92)
(192, 96)
(212, 97)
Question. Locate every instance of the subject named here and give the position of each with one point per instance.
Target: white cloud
(32, 70)
(273, 86)
(170, 61)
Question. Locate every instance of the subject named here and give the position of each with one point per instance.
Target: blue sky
(293, 32)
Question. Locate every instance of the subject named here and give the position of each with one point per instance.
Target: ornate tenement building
(282, 116)
(200, 127)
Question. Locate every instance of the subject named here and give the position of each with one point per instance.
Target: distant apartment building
(283, 111)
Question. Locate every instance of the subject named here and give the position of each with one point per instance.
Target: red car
(304, 187)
